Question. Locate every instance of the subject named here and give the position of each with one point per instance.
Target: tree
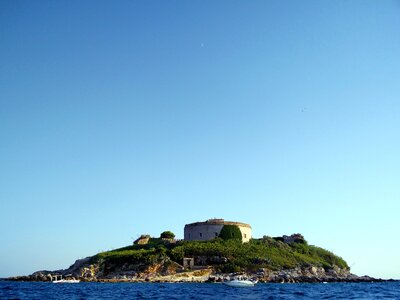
(230, 232)
(167, 235)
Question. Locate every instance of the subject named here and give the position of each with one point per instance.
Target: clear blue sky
(119, 118)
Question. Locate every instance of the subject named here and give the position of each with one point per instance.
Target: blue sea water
(87, 290)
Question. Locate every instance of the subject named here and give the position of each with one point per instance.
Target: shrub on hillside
(167, 235)
(230, 232)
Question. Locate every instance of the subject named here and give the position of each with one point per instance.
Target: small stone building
(188, 262)
(142, 240)
(210, 229)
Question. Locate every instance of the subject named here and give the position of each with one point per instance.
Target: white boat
(59, 279)
(66, 281)
(240, 283)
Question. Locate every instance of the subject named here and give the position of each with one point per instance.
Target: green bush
(230, 232)
(167, 235)
(229, 268)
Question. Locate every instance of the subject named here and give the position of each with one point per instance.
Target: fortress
(210, 229)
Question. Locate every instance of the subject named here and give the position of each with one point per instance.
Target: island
(211, 251)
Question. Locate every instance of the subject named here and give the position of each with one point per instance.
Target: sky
(121, 118)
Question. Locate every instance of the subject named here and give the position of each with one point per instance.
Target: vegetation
(226, 255)
(230, 232)
(167, 235)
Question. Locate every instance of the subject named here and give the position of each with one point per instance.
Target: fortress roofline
(218, 222)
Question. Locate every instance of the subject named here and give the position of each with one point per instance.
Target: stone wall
(202, 232)
(210, 229)
(246, 233)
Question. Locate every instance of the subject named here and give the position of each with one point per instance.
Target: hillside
(225, 256)
(162, 260)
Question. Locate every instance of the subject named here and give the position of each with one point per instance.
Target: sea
(88, 290)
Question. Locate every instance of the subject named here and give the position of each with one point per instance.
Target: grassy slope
(261, 253)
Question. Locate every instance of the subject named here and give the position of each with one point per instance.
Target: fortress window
(216, 233)
(201, 234)
(189, 235)
(244, 235)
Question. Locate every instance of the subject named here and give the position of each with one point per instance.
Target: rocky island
(216, 259)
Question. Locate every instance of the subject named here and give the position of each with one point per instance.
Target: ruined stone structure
(188, 262)
(142, 240)
(210, 229)
(294, 238)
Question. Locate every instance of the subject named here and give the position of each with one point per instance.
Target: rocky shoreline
(207, 275)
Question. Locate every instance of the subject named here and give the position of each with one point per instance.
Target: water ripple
(44, 290)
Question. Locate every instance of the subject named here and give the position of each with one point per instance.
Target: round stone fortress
(210, 229)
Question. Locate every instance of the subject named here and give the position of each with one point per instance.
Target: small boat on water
(59, 279)
(240, 283)
(66, 281)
